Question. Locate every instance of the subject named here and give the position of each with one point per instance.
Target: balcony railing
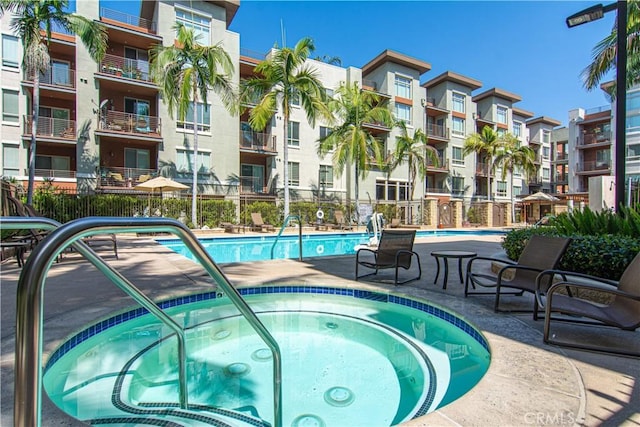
(117, 121)
(438, 131)
(125, 67)
(124, 177)
(443, 164)
(252, 54)
(594, 138)
(534, 180)
(57, 76)
(594, 165)
(53, 173)
(431, 102)
(50, 127)
(562, 156)
(257, 141)
(372, 86)
(125, 18)
(483, 169)
(438, 190)
(252, 185)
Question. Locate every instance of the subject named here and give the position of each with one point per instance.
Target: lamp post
(591, 14)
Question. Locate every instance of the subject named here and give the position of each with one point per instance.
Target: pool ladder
(29, 306)
(284, 224)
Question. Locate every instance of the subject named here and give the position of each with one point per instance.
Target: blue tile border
(103, 325)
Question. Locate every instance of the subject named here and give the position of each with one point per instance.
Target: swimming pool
(258, 248)
(350, 357)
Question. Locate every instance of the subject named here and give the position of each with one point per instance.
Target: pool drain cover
(222, 334)
(308, 420)
(237, 369)
(261, 355)
(339, 396)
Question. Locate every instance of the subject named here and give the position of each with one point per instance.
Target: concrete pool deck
(528, 382)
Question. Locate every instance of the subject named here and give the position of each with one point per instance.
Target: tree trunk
(34, 131)
(355, 190)
(285, 154)
(194, 188)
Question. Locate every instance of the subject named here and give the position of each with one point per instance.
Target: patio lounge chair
(395, 250)
(541, 253)
(563, 298)
(259, 224)
(340, 223)
(395, 223)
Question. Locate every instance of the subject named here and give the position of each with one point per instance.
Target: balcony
(594, 139)
(118, 122)
(257, 141)
(561, 157)
(373, 86)
(483, 169)
(253, 185)
(49, 127)
(121, 177)
(603, 166)
(57, 76)
(124, 67)
(442, 166)
(121, 19)
(53, 173)
(438, 131)
(534, 180)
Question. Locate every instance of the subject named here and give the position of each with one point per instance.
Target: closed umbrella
(161, 184)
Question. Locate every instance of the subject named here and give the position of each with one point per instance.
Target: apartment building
(560, 160)
(104, 127)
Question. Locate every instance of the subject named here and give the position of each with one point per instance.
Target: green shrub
(269, 211)
(588, 222)
(599, 255)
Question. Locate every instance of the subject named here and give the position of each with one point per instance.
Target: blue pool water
(350, 357)
(258, 248)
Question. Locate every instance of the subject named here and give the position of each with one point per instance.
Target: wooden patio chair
(395, 250)
(341, 222)
(541, 253)
(590, 300)
(259, 224)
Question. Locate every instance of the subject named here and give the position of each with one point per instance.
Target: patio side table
(445, 255)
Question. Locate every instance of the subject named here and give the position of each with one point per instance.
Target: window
(184, 161)
(295, 99)
(136, 159)
(546, 136)
(546, 151)
(10, 51)
(517, 190)
(602, 159)
(403, 112)
(392, 190)
(457, 126)
(403, 87)
(502, 188)
(517, 172)
(136, 60)
(200, 24)
(458, 102)
(456, 156)
(329, 92)
(545, 173)
(325, 174)
(517, 129)
(324, 131)
(633, 151)
(501, 115)
(457, 185)
(293, 137)
(204, 118)
(53, 163)
(10, 112)
(10, 160)
(294, 173)
(501, 132)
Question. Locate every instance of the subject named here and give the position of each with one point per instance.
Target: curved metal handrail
(28, 381)
(284, 224)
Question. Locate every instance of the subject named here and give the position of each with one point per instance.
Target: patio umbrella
(161, 184)
(540, 197)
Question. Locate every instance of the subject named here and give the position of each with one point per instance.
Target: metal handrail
(28, 375)
(284, 224)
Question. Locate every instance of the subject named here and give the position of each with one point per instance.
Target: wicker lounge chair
(540, 253)
(341, 223)
(568, 301)
(259, 224)
(395, 250)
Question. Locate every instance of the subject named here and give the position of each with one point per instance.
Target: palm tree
(350, 140)
(485, 145)
(30, 20)
(416, 152)
(279, 81)
(511, 156)
(604, 53)
(185, 72)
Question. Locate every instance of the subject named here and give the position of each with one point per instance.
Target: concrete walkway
(528, 382)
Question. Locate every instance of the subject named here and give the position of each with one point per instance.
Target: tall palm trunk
(194, 188)
(355, 190)
(285, 154)
(34, 131)
(513, 200)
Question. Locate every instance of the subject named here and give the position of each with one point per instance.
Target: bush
(588, 222)
(604, 255)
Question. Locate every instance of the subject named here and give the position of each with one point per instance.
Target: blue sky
(523, 47)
